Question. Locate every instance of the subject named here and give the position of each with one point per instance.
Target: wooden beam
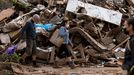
(121, 43)
(89, 38)
(82, 51)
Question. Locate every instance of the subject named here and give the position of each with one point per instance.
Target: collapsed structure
(95, 28)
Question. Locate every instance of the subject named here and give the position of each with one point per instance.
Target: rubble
(95, 29)
(11, 27)
(131, 2)
(44, 53)
(4, 38)
(13, 34)
(91, 40)
(55, 19)
(6, 13)
(21, 45)
(119, 53)
(2, 47)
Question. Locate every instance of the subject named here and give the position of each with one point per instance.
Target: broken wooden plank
(121, 43)
(6, 13)
(61, 1)
(81, 49)
(107, 15)
(91, 40)
(14, 34)
(4, 38)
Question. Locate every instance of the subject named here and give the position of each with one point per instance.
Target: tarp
(46, 27)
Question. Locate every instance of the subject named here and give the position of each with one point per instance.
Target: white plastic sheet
(107, 15)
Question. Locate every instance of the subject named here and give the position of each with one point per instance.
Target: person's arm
(62, 31)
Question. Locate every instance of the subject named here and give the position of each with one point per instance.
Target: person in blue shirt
(129, 54)
(66, 46)
(30, 31)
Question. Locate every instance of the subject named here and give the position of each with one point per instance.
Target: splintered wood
(6, 13)
(91, 40)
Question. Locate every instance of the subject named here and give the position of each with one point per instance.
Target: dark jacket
(132, 48)
(129, 54)
(29, 29)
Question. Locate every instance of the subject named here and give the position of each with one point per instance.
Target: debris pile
(95, 28)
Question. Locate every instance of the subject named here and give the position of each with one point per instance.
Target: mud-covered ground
(49, 70)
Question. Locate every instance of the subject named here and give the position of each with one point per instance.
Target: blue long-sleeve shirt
(29, 28)
(63, 32)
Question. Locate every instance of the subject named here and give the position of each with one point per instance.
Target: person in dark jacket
(129, 54)
(30, 31)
